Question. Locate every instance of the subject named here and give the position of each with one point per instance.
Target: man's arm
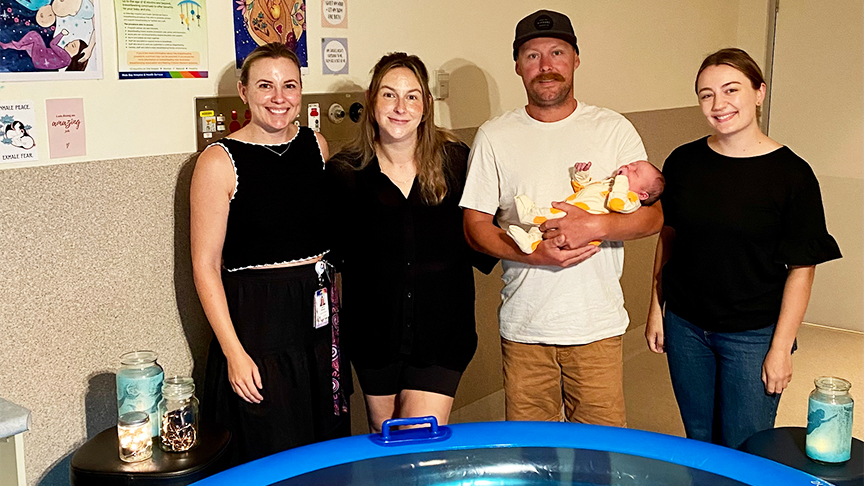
(579, 227)
(482, 235)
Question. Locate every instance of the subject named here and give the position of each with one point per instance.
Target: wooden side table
(786, 445)
(97, 462)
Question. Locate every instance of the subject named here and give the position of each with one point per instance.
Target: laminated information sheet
(161, 38)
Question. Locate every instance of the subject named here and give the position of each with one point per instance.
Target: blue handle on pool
(397, 422)
(411, 436)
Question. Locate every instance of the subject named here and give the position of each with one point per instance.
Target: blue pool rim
(746, 468)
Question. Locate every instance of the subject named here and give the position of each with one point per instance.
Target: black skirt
(272, 313)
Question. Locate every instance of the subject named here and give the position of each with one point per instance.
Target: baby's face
(64, 8)
(640, 174)
(45, 16)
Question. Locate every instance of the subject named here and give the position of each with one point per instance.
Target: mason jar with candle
(178, 413)
(829, 421)
(133, 434)
(139, 386)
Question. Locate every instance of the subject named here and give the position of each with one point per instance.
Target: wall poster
(259, 22)
(334, 13)
(161, 38)
(41, 40)
(334, 55)
(66, 133)
(17, 144)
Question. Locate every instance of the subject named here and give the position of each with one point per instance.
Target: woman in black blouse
(744, 228)
(408, 285)
(272, 366)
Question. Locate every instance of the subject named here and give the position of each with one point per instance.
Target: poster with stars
(161, 38)
(259, 22)
(17, 137)
(45, 40)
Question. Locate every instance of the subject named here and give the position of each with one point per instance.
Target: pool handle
(397, 422)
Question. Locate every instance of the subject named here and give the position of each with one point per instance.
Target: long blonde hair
(429, 154)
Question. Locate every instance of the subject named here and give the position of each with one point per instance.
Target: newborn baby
(633, 185)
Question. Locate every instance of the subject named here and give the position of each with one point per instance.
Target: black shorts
(404, 375)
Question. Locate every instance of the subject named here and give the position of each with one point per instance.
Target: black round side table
(786, 445)
(97, 462)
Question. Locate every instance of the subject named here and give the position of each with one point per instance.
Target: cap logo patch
(543, 22)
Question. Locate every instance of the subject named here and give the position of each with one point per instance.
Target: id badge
(322, 309)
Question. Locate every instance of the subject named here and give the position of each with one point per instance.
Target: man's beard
(556, 99)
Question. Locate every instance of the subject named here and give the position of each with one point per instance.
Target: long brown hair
(76, 64)
(741, 61)
(273, 50)
(429, 154)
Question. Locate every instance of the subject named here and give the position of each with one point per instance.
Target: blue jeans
(717, 379)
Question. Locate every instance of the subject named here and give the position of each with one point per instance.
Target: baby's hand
(581, 166)
(64, 32)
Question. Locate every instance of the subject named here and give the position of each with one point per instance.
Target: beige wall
(817, 108)
(95, 254)
(625, 45)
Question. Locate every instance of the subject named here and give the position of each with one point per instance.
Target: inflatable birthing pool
(511, 454)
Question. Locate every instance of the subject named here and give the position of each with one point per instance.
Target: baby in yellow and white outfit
(633, 185)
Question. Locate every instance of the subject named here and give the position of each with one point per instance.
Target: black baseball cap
(544, 23)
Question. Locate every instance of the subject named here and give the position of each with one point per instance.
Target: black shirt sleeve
(804, 236)
(340, 185)
(457, 170)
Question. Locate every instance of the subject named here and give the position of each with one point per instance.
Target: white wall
(817, 108)
(633, 59)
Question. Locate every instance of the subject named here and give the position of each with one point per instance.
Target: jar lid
(138, 357)
(832, 384)
(133, 418)
(178, 387)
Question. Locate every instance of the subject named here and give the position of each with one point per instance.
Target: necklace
(392, 166)
(280, 154)
(399, 181)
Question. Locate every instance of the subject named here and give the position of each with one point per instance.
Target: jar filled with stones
(178, 412)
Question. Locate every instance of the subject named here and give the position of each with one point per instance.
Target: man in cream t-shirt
(562, 315)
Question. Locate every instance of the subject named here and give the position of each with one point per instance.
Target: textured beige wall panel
(95, 262)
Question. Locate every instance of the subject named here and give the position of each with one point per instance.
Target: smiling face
(272, 92)
(546, 66)
(398, 106)
(728, 99)
(64, 8)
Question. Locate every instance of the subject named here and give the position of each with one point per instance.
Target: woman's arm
(777, 367)
(654, 327)
(210, 195)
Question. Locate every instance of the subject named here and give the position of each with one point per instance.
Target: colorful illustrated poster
(259, 22)
(334, 13)
(161, 38)
(18, 144)
(66, 134)
(42, 40)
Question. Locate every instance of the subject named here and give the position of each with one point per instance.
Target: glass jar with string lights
(133, 434)
(178, 413)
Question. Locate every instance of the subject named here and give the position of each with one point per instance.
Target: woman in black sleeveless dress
(273, 372)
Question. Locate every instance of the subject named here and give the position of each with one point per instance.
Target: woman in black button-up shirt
(408, 315)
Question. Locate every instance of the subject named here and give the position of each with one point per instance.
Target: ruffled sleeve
(805, 239)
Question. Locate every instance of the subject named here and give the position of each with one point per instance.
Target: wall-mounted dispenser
(337, 114)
